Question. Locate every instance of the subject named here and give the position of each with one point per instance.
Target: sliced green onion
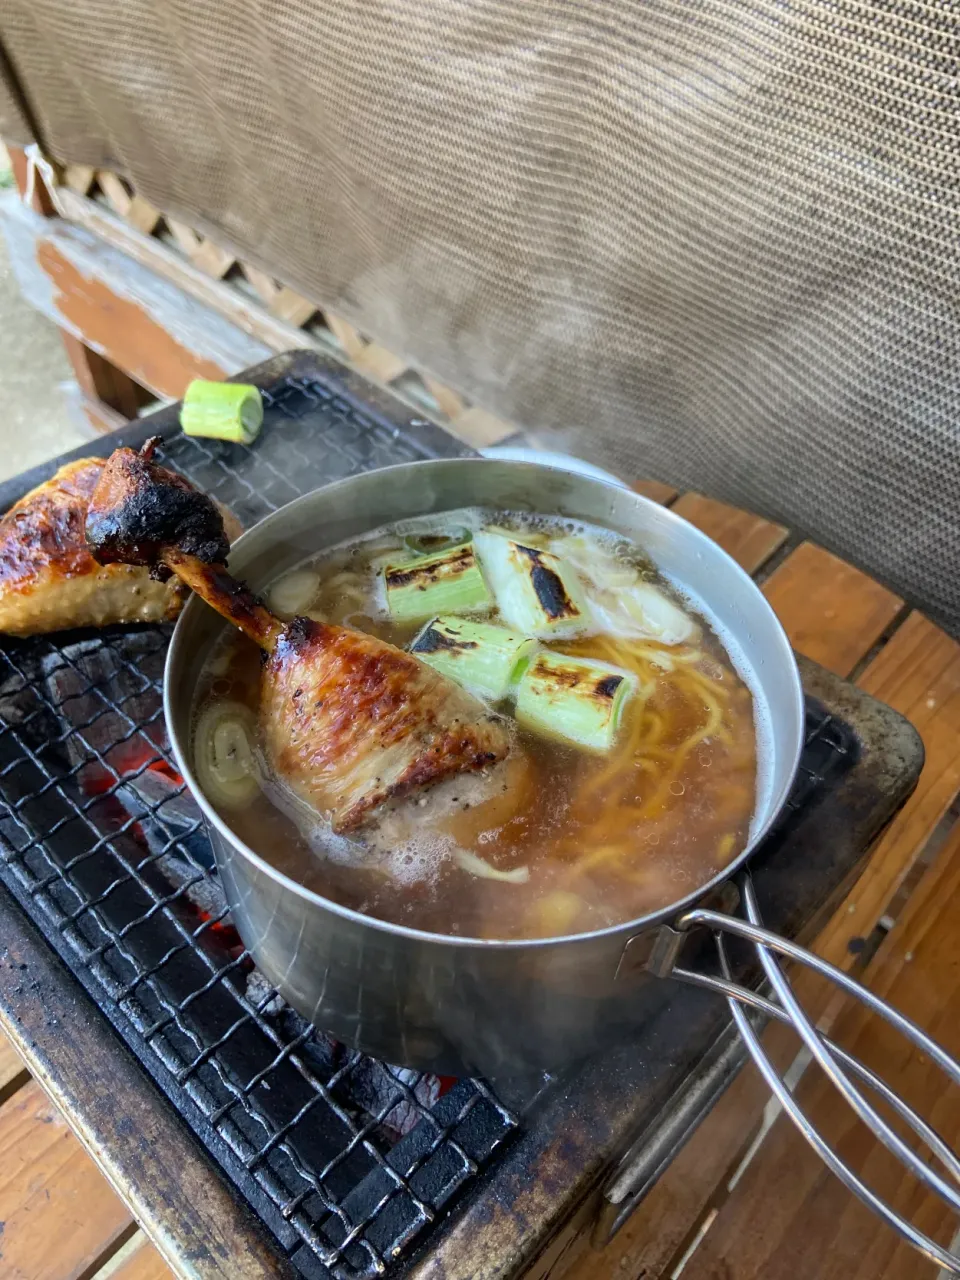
(223, 754)
(448, 582)
(574, 698)
(480, 657)
(537, 592)
(222, 411)
(483, 870)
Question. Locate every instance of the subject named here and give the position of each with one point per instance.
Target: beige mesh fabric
(713, 242)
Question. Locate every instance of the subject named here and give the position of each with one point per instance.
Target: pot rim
(664, 914)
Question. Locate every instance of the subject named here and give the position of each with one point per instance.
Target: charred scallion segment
(536, 591)
(480, 657)
(448, 582)
(574, 698)
(222, 411)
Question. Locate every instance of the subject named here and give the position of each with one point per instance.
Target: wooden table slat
(655, 490)
(142, 1262)
(832, 612)
(750, 539)
(60, 1216)
(787, 1205)
(13, 1073)
(656, 1235)
(918, 673)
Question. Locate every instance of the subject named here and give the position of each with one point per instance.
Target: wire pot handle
(838, 1065)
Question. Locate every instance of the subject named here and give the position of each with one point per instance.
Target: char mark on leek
(433, 640)
(537, 592)
(575, 699)
(608, 686)
(449, 581)
(482, 658)
(548, 585)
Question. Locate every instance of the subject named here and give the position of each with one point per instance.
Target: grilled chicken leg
(348, 721)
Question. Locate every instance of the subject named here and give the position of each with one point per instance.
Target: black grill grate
(345, 1158)
(830, 748)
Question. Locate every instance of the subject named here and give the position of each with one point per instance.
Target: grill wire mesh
(345, 1158)
(351, 1157)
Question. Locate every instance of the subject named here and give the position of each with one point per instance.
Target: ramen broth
(594, 839)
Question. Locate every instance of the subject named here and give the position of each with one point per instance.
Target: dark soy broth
(595, 839)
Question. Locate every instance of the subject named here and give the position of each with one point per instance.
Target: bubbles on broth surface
(606, 838)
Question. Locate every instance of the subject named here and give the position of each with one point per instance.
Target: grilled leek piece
(448, 582)
(537, 593)
(574, 699)
(480, 657)
(222, 411)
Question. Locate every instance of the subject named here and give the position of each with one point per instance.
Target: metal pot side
(452, 1004)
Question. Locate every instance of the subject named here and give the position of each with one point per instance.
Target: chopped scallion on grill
(222, 411)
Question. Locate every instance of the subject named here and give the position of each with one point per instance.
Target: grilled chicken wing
(49, 581)
(348, 721)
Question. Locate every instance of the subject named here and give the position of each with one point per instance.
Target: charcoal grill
(349, 1166)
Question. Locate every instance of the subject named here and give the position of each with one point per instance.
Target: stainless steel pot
(452, 1004)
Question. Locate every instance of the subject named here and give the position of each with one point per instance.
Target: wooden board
(658, 1232)
(655, 490)
(138, 1260)
(13, 1073)
(918, 673)
(787, 1203)
(832, 612)
(144, 325)
(60, 1217)
(748, 538)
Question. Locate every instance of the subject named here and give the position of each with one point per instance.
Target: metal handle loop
(832, 1060)
(753, 1000)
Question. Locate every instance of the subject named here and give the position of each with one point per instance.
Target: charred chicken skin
(49, 581)
(348, 721)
